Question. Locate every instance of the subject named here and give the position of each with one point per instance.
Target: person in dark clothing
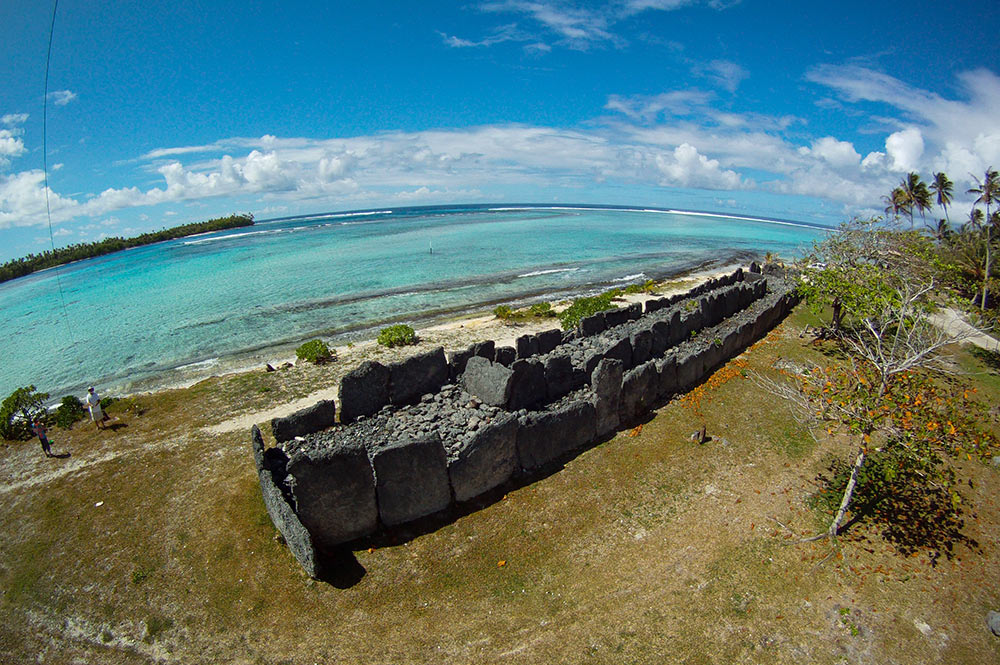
(42, 433)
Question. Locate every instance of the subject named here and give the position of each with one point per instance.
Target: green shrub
(18, 410)
(314, 351)
(541, 310)
(69, 411)
(397, 335)
(503, 312)
(646, 287)
(584, 307)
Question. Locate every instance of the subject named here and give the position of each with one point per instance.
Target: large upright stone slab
(312, 419)
(659, 338)
(545, 436)
(548, 340)
(411, 479)
(297, 537)
(417, 376)
(334, 493)
(527, 346)
(606, 382)
(666, 374)
(528, 386)
(642, 346)
(638, 391)
(485, 462)
(621, 350)
(506, 355)
(616, 317)
(364, 391)
(592, 325)
(490, 382)
(560, 378)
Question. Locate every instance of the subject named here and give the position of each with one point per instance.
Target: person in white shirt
(94, 404)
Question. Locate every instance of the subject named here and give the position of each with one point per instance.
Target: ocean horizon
(180, 310)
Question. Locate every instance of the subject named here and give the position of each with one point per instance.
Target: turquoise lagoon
(187, 308)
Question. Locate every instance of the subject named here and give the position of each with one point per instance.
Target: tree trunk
(837, 314)
(848, 493)
(986, 279)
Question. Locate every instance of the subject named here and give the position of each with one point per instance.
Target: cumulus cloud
(904, 149)
(62, 97)
(686, 167)
(839, 154)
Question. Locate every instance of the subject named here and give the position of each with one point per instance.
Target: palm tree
(943, 188)
(988, 190)
(897, 203)
(916, 193)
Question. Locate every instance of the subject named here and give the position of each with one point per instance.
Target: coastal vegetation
(397, 335)
(314, 351)
(76, 252)
(18, 410)
(70, 411)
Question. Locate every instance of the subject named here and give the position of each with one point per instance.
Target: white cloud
(839, 154)
(904, 149)
(687, 167)
(725, 74)
(12, 119)
(62, 97)
(648, 107)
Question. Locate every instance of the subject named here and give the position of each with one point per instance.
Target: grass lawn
(151, 544)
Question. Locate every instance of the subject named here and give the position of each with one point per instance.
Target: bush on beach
(397, 335)
(314, 351)
(584, 307)
(18, 410)
(69, 412)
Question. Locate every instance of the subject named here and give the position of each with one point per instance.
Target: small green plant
(541, 310)
(70, 410)
(690, 305)
(155, 626)
(140, 575)
(314, 351)
(717, 341)
(584, 307)
(646, 287)
(397, 335)
(503, 312)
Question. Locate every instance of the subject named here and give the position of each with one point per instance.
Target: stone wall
(419, 436)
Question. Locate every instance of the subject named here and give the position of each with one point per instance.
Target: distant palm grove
(48, 259)
(967, 252)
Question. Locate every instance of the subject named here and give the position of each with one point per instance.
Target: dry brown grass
(647, 548)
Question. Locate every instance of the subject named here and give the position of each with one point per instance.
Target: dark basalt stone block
(364, 391)
(638, 391)
(506, 355)
(334, 493)
(634, 311)
(642, 346)
(666, 372)
(411, 479)
(616, 317)
(417, 376)
(490, 382)
(606, 382)
(548, 340)
(528, 386)
(297, 537)
(559, 376)
(622, 350)
(545, 436)
(312, 419)
(485, 349)
(487, 461)
(527, 346)
(592, 325)
(660, 338)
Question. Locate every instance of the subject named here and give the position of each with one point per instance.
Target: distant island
(49, 259)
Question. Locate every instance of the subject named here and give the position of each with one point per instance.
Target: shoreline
(458, 333)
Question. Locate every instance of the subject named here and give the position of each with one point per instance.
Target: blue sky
(160, 114)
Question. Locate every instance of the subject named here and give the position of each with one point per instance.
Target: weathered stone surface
(364, 391)
(622, 351)
(527, 346)
(528, 387)
(591, 361)
(559, 376)
(993, 621)
(659, 339)
(411, 479)
(257, 446)
(506, 355)
(334, 493)
(616, 317)
(634, 311)
(287, 523)
(666, 375)
(416, 376)
(606, 382)
(485, 349)
(490, 382)
(548, 340)
(689, 366)
(456, 363)
(639, 388)
(642, 346)
(545, 436)
(317, 417)
(755, 268)
(656, 304)
(486, 461)
(592, 325)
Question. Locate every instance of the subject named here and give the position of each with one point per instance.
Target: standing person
(42, 433)
(94, 404)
